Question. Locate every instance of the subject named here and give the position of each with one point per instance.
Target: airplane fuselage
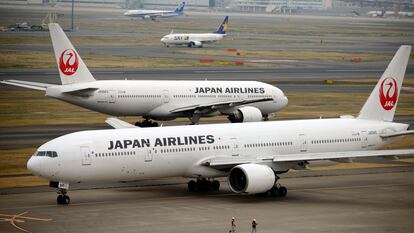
(159, 99)
(179, 151)
(148, 14)
(186, 38)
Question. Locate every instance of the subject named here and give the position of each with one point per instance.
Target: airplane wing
(218, 105)
(27, 84)
(119, 124)
(225, 163)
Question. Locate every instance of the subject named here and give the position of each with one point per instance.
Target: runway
(379, 202)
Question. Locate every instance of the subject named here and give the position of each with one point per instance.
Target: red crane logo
(68, 62)
(388, 93)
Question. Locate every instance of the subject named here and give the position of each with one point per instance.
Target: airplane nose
(33, 165)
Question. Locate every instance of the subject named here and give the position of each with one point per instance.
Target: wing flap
(340, 155)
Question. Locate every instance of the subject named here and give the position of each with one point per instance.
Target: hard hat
(232, 217)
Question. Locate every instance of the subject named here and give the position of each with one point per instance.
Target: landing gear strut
(276, 191)
(203, 185)
(147, 123)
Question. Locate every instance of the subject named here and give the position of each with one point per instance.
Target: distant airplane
(251, 155)
(384, 13)
(154, 14)
(241, 101)
(196, 39)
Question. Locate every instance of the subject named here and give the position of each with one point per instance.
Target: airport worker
(254, 226)
(233, 225)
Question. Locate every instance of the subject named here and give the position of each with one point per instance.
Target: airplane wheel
(63, 200)
(215, 185)
(59, 199)
(282, 191)
(192, 186)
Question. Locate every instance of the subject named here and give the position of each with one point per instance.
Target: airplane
(154, 14)
(384, 13)
(196, 39)
(251, 155)
(241, 101)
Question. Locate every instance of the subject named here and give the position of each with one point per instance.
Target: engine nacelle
(195, 44)
(251, 178)
(245, 114)
(147, 17)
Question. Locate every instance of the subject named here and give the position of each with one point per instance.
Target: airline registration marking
(388, 93)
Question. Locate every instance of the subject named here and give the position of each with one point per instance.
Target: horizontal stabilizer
(119, 124)
(27, 84)
(396, 134)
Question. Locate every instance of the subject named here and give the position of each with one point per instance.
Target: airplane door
(86, 155)
(234, 147)
(303, 143)
(364, 139)
(149, 155)
(112, 96)
(166, 96)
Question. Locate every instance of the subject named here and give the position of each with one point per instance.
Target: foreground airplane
(154, 14)
(384, 13)
(241, 101)
(251, 155)
(196, 39)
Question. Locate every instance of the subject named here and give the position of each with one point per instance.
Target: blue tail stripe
(223, 26)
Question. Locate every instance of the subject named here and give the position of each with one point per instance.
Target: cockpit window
(51, 154)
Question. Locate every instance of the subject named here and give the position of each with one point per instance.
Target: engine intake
(245, 114)
(251, 178)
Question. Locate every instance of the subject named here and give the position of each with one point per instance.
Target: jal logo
(68, 62)
(388, 93)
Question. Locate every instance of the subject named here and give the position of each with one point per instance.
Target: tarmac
(376, 202)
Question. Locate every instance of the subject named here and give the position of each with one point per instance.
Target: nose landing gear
(62, 189)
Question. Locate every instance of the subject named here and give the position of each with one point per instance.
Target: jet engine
(147, 17)
(245, 114)
(251, 178)
(195, 44)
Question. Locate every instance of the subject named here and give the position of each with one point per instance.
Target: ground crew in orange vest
(254, 226)
(233, 225)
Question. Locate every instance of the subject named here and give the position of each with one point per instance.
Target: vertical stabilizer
(382, 102)
(70, 65)
(180, 8)
(223, 26)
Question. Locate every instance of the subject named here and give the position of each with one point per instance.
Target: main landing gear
(203, 185)
(276, 191)
(147, 123)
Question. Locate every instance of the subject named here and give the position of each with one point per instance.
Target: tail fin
(180, 8)
(223, 26)
(382, 102)
(70, 64)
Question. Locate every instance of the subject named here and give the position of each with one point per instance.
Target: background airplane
(154, 14)
(241, 101)
(251, 155)
(196, 39)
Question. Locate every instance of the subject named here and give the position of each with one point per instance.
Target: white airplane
(384, 13)
(251, 155)
(241, 101)
(154, 14)
(196, 39)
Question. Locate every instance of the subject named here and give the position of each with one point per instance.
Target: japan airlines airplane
(241, 101)
(154, 14)
(196, 39)
(251, 155)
